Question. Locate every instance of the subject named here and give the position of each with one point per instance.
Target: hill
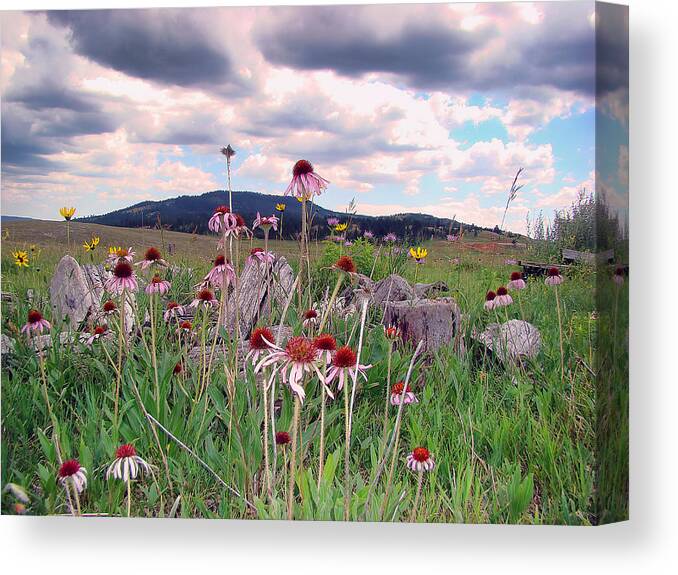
(191, 214)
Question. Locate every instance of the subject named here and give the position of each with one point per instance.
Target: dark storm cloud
(165, 46)
(46, 94)
(432, 54)
(612, 48)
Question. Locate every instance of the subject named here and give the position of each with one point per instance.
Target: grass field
(512, 445)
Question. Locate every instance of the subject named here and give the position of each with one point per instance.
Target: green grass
(511, 446)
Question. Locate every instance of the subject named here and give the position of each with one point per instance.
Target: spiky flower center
(239, 221)
(100, 329)
(156, 279)
(553, 272)
(421, 454)
(325, 342)
(259, 338)
(109, 306)
(222, 210)
(345, 357)
(187, 325)
(205, 295)
(391, 332)
(126, 450)
(34, 316)
(255, 251)
(152, 255)
(490, 296)
(172, 305)
(122, 270)
(68, 468)
(302, 167)
(300, 350)
(282, 438)
(122, 252)
(397, 389)
(346, 264)
(310, 314)
(515, 276)
(220, 260)
(502, 290)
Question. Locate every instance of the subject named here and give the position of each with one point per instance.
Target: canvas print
(329, 263)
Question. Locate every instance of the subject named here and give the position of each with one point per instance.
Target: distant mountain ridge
(191, 213)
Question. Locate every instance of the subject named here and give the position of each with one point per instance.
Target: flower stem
(330, 303)
(323, 401)
(293, 461)
(121, 341)
(560, 334)
(264, 397)
(347, 477)
(388, 392)
(154, 355)
(420, 480)
(129, 497)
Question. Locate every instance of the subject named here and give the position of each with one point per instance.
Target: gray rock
(6, 348)
(393, 288)
(360, 285)
(73, 299)
(511, 341)
(436, 322)
(427, 290)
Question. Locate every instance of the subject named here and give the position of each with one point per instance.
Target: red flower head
(490, 295)
(126, 450)
(222, 210)
(302, 167)
(205, 295)
(259, 338)
(172, 305)
(240, 221)
(34, 316)
(152, 255)
(310, 314)
(123, 270)
(68, 468)
(301, 350)
(220, 260)
(345, 263)
(516, 276)
(344, 357)
(186, 325)
(254, 251)
(553, 272)
(282, 438)
(156, 279)
(178, 368)
(110, 306)
(391, 332)
(100, 329)
(325, 342)
(421, 454)
(501, 290)
(398, 388)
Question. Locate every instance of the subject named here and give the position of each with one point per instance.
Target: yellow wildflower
(20, 259)
(340, 227)
(280, 207)
(67, 213)
(419, 254)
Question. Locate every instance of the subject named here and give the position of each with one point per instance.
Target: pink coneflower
(345, 264)
(390, 238)
(204, 298)
(310, 318)
(157, 285)
(222, 220)
(127, 464)
(118, 254)
(326, 345)
(489, 300)
(282, 438)
(239, 228)
(553, 277)
(109, 307)
(391, 332)
(332, 222)
(151, 257)
(420, 460)
(502, 298)
(343, 366)
(178, 368)
(368, 235)
(99, 332)
(305, 182)
(35, 323)
(258, 255)
(72, 472)
(517, 282)
(618, 276)
(173, 311)
(397, 393)
(122, 278)
(220, 269)
(185, 327)
(260, 341)
(265, 222)
(297, 359)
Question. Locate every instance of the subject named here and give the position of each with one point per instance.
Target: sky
(406, 108)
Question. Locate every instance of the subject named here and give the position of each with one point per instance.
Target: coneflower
(260, 341)
(419, 460)
(326, 345)
(157, 285)
(178, 368)
(282, 438)
(126, 467)
(222, 270)
(98, 332)
(122, 278)
(72, 474)
(36, 323)
(222, 220)
(173, 311)
(305, 182)
(490, 296)
(618, 276)
(265, 223)
(397, 394)
(344, 366)
(152, 257)
(553, 277)
(116, 254)
(310, 318)
(344, 265)
(109, 307)
(502, 297)
(391, 332)
(259, 255)
(517, 282)
(185, 328)
(204, 298)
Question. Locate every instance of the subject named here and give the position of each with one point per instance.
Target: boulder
(6, 348)
(428, 290)
(511, 341)
(360, 285)
(73, 299)
(436, 322)
(392, 288)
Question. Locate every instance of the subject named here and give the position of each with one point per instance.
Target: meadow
(510, 443)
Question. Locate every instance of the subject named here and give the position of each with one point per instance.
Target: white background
(647, 543)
